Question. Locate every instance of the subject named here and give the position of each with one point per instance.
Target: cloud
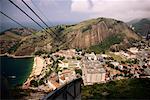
(120, 9)
(79, 6)
(77, 10)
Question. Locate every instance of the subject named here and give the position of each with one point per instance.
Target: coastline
(36, 70)
(13, 56)
(16, 70)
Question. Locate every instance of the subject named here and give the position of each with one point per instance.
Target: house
(53, 84)
(53, 81)
(75, 64)
(66, 76)
(48, 61)
(91, 56)
(120, 67)
(63, 64)
(115, 63)
(99, 57)
(147, 71)
(131, 55)
(134, 50)
(70, 64)
(62, 80)
(104, 55)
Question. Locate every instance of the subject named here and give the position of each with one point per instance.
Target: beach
(36, 70)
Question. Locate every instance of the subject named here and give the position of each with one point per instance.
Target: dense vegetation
(142, 26)
(14, 48)
(105, 45)
(131, 88)
(78, 71)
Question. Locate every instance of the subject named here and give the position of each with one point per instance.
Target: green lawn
(121, 89)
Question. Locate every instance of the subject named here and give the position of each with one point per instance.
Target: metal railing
(71, 91)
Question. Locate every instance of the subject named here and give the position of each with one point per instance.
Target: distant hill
(84, 35)
(11, 39)
(141, 26)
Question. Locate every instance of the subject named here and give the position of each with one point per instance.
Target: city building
(93, 72)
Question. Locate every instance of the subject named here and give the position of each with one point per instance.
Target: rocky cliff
(82, 35)
(92, 32)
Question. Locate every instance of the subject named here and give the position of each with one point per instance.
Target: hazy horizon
(73, 11)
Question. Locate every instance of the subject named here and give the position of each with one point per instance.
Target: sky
(76, 10)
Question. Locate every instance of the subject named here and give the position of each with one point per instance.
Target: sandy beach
(36, 70)
(38, 65)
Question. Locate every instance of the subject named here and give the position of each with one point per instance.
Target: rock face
(94, 31)
(81, 35)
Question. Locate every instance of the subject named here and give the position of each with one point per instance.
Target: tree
(122, 62)
(73, 57)
(78, 71)
(61, 58)
(78, 49)
(78, 58)
(34, 83)
(41, 82)
(111, 65)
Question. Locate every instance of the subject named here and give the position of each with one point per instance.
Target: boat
(12, 76)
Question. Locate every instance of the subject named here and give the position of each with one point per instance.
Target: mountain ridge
(82, 35)
(141, 26)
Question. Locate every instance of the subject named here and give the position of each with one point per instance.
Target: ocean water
(15, 70)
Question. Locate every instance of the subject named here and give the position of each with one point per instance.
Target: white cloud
(80, 5)
(78, 10)
(122, 9)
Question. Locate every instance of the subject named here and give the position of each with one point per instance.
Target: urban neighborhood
(53, 71)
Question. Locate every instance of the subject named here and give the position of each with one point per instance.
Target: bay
(16, 70)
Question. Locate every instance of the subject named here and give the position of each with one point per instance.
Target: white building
(93, 72)
(70, 64)
(91, 56)
(115, 63)
(134, 50)
(63, 64)
(120, 67)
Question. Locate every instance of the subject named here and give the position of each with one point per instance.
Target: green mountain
(141, 26)
(83, 35)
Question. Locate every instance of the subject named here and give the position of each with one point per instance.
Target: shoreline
(13, 56)
(16, 79)
(36, 70)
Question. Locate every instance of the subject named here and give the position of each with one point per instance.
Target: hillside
(11, 39)
(82, 35)
(92, 32)
(141, 26)
(120, 89)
